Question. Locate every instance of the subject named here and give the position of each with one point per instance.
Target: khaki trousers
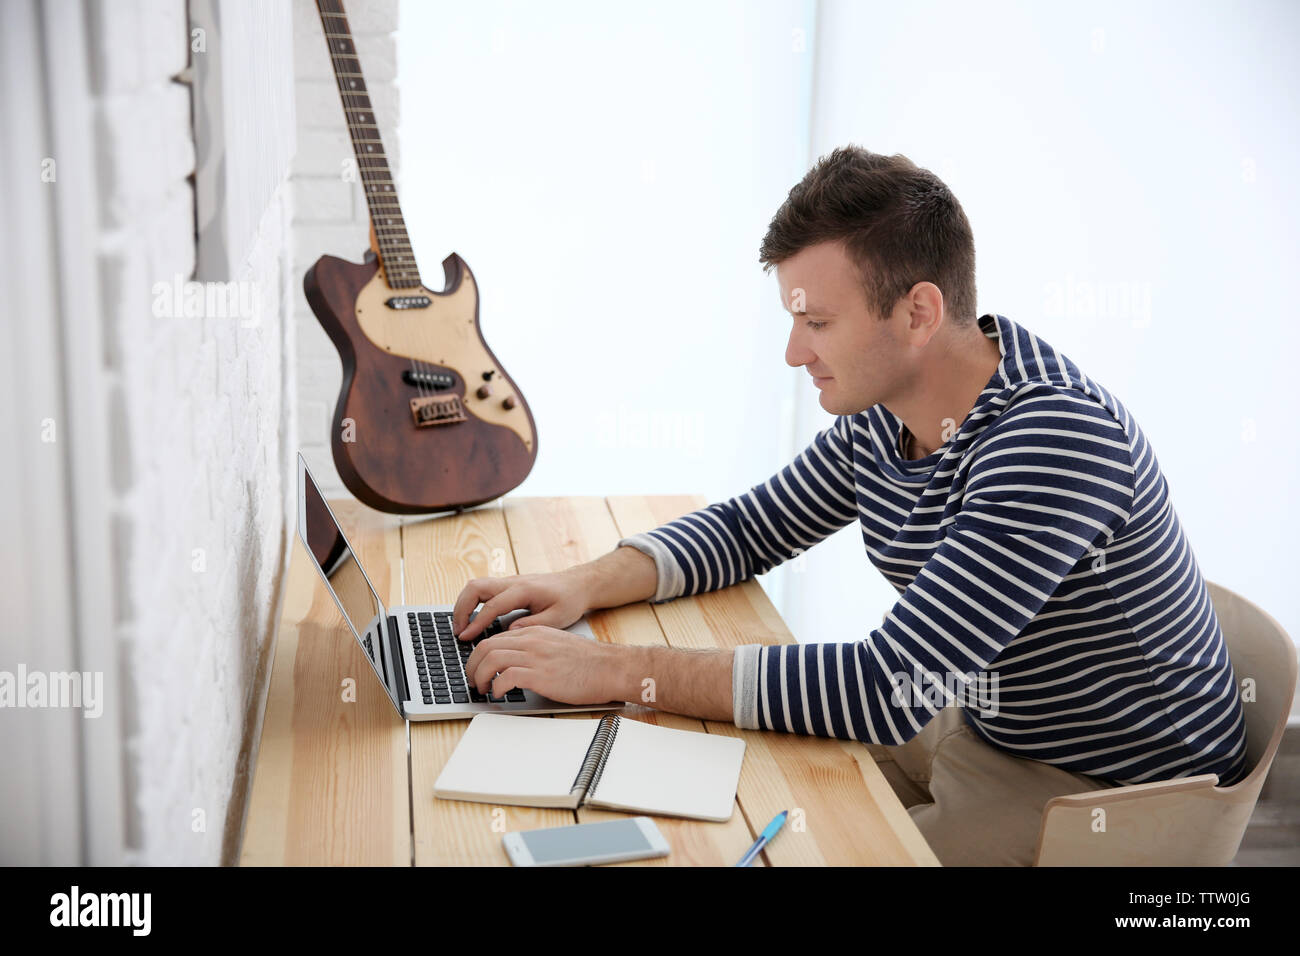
(975, 805)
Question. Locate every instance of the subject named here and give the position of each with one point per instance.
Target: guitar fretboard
(372, 164)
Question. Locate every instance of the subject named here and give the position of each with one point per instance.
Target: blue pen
(764, 838)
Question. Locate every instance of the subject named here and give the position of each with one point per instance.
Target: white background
(608, 172)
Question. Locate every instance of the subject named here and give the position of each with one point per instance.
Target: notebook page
(671, 772)
(506, 758)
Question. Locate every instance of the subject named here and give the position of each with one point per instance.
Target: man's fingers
(474, 662)
(507, 598)
(504, 601)
(477, 590)
(495, 662)
(512, 677)
(552, 616)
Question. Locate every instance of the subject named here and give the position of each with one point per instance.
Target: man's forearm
(696, 683)
(690, 682)
(624, 576)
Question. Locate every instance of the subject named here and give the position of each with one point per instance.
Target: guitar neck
(381, 192)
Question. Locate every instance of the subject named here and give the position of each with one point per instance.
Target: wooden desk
(332, 784)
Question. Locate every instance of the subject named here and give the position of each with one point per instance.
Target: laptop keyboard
(440, 660)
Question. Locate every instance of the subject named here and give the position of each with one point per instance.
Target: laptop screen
(341, 570)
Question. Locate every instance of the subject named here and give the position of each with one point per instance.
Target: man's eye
(815, 325)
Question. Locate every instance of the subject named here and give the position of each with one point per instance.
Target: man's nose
(796, 353)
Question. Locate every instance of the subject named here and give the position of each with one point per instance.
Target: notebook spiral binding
(593, 765)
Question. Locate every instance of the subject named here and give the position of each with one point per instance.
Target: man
(1014, 504)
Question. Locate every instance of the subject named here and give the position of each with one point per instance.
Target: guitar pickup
(422, 379)
(409, 302)
(437, 410)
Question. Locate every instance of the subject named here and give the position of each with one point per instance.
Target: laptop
(411, 648)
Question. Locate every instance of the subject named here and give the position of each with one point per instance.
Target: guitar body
(472, 437)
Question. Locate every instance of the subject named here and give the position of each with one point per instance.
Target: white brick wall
(330, 215)
(202, 426)
(203, 412)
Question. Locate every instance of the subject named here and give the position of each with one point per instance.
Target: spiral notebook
(612, 763)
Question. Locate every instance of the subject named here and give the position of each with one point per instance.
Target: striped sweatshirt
(1045, 583)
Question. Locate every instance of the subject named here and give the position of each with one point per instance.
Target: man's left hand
(547, 661)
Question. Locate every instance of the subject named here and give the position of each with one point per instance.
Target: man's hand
(556, 600)
(550, 662)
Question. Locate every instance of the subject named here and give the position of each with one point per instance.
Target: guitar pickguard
(445, 333)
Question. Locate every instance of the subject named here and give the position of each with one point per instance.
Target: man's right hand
(557, 600)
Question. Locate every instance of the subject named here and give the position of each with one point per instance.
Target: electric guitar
(427, 419)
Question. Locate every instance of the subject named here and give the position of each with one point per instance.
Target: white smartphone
(636, 838)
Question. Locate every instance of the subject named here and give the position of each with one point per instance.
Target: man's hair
(899, 224)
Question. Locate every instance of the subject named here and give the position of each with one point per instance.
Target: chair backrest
(1188, 821)
(1263, 653)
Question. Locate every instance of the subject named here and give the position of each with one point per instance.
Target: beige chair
(1188, 821)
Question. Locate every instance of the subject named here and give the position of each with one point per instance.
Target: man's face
(835, 336)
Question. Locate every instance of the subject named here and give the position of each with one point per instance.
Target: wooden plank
(848, 813)
(551, 534)
(330, 786)
(440, 556)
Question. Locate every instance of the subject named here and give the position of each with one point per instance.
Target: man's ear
(923, 304)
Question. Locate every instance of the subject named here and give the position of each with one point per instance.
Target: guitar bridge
(437, 410)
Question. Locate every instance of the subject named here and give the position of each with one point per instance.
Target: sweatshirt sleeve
(734, 540)
(1050, 483)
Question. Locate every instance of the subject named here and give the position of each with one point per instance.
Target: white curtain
(1128, 170)
(609, 171)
